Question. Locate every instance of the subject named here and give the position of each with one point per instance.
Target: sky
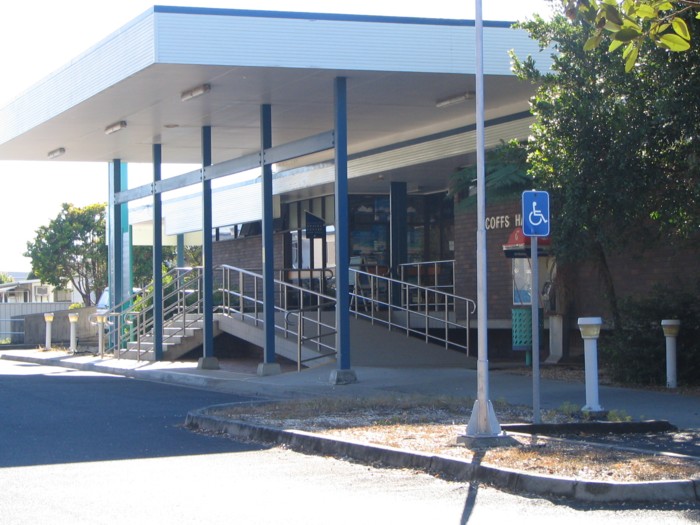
(41, 36)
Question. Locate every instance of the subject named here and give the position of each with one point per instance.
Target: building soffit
(138, 74)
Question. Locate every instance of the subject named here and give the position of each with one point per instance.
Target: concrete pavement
(682, 411)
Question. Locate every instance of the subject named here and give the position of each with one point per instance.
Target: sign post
(535, 224)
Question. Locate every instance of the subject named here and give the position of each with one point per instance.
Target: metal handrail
(374, 297)
(133, 318)
(11, 332)
(301, 338)
(426, 311)
(242, 298)
(428, 274)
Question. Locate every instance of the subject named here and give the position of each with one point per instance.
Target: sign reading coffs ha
(499, 222)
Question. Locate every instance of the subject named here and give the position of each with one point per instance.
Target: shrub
(636, 352)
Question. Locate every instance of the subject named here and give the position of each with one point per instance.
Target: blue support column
(208, 360)
(268, 366)
(180, 250)
(157, 257)
(343, 374)
(116, 254)
(127, 250)
(398, 204)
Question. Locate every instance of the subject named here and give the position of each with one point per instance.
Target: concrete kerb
(451, 468)
(182, 377)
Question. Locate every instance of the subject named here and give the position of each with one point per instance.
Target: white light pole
(671, 328)
(48, 317)
(483, 422)
(590, 330)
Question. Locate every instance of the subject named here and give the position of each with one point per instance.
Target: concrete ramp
(370, 345)
(285, 347)
(376, 346)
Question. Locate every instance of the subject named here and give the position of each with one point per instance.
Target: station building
(324, 146)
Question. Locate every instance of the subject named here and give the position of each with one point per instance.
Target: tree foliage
(6, 278)
(632, 23)
(505, 173)
(617, 151)
(636, 352)
(72, 249)
(142, 266)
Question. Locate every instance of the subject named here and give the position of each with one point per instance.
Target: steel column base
(269, 369)
(343, 377)
(208, 363)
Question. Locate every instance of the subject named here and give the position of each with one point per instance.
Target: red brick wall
(635, 272)
(501, 219)
(246, 252)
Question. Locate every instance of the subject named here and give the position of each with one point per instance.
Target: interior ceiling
(383, 109)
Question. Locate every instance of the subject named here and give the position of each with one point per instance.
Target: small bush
(567, 408)
(619, 416)
(635, 353)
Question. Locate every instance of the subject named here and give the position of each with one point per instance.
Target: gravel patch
(432, 425)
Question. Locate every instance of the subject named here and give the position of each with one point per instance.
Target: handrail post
(138, 336)
(300, 336)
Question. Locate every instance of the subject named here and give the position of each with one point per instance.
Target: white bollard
(73, 319)
(101, 319)
(48, 317)
(590, 330)
(671, 327)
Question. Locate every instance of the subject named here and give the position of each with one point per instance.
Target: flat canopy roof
(397, 70)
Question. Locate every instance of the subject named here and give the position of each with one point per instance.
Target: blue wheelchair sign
(535, 213)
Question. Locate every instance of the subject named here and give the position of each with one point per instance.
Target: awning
(518, 245)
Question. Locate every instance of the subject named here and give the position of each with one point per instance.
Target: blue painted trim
(157, 257)
(180, 250)
(116, 256)
(207, 250)
(398, 239)
(342, 226)
(314, 144)
(327, 16)
(268, 254)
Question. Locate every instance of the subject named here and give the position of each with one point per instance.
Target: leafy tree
(6, 278)
(72, 249)
(506, 176)
(631, 23)
(617, 151)
(142, 267)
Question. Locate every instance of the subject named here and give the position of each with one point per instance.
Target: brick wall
(635, 273)
(246, 252)
(501, 218)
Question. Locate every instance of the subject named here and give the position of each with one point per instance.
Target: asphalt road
(53, 415)
(85, 448)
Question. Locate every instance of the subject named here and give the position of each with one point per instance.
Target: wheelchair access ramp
(418, 334)
(375, 346)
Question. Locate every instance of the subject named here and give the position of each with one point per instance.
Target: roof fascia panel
(116, 58)
(334, 43)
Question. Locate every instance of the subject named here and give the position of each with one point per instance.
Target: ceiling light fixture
(195, 92)
(56, 153)
(456, 99)
(113, 128)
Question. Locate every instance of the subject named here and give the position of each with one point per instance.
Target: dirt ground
(432, 425)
